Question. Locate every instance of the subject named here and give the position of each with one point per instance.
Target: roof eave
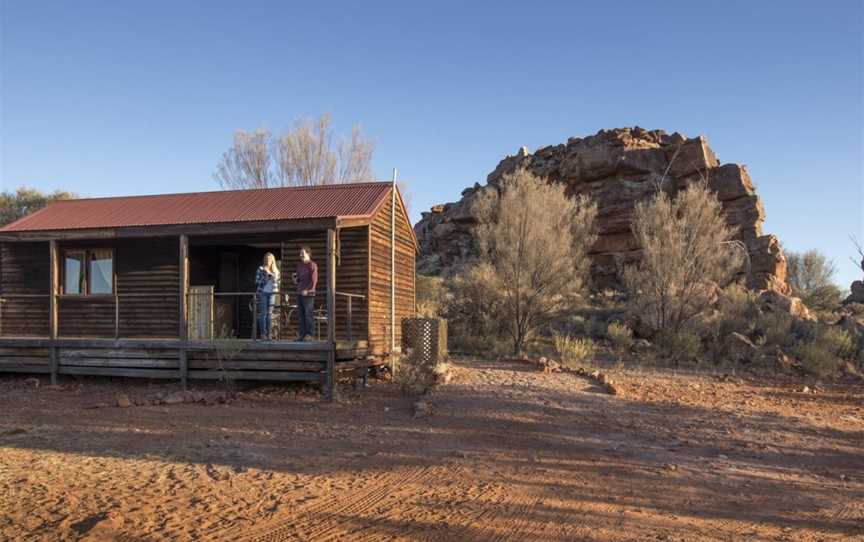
(170, 230)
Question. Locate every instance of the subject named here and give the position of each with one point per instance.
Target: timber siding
(24, 270)
(380, 272)
(351, 273)
(147, 281)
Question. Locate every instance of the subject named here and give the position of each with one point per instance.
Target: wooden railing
(116, 297)
(285, 300)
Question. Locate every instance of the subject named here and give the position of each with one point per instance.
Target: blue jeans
(265, 313)
(306, 315)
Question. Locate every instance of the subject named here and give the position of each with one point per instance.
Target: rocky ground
(508, 453)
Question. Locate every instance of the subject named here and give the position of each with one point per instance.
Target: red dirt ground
(509, 454)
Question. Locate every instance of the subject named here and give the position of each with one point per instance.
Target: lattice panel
(426, 338)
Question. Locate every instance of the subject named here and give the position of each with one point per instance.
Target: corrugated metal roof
(295, 203)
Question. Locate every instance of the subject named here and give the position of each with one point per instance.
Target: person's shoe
(298, 340)
(308, 338)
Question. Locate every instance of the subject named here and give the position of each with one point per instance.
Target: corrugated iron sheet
(329, 201)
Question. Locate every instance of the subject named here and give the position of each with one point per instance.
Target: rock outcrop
(617, 168)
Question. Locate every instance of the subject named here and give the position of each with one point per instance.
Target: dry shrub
(825, 353)
(585, 327)
(471, 304)
(811, 277)
(682, 345)
(739, 310)
(417, 375)
(687, 251)
(620, 335)
(431, 296)
(574, 351)
(534, 240)
(775, 329)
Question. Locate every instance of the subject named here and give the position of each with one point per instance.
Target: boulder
(617, 168)
(774, 301)
(856, 293)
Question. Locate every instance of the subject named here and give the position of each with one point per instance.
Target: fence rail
(285, 297)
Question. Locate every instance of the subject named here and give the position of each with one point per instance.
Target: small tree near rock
(688, 253)
(535, 240)
(811, 277)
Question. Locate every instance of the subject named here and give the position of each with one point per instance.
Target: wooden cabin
(163, 286)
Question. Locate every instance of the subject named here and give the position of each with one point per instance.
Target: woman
(267, 286)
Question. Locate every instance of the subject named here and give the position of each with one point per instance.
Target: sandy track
(510, 454)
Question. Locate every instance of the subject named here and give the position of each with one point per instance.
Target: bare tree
(860, 250)
(247, 164)
(686, 255)
(355, 157)
(14, 205)
(811, 277)
(303, 156)
(535, 240)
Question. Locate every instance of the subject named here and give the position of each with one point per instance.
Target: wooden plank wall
(379, 277)
(136, 362)
(149, 266)
(142, 266)
(351, 277)
(24, 269)
(24, 359)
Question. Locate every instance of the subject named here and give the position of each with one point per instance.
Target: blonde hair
(270, 264)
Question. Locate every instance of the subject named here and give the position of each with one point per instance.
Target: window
(88, 272)
(101, 272)
(73, 266)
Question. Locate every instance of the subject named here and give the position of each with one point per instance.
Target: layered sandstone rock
(617, 168)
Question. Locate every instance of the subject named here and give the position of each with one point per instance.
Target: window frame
(88, 253)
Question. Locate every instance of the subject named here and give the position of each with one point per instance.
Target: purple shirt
(307, 276)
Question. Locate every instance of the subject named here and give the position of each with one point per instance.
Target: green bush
(739, 310)
(775, 329)
(823, 354)
(837, 341)
(684, 345)
(574, 351)
(587, 327)
(620, 335)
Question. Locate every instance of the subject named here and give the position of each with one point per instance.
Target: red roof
(295, 203)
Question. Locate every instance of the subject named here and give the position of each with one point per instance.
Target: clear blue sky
(130, 97)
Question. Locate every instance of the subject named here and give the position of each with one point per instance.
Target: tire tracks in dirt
(324, 520)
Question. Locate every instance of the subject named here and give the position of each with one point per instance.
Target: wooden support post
(116, 313)
(350, 333)
(183, 293)
(182, 330)
(184, 368)
(330, 376)
(255, 316)
(54, 273)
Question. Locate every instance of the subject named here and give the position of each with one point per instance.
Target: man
(306, 280)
